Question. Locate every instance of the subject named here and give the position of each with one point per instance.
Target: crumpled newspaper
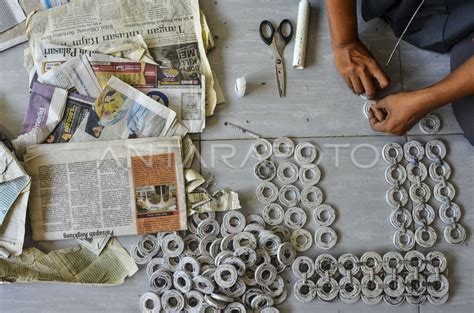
(14, 192)
(70, 265)
(219, 201)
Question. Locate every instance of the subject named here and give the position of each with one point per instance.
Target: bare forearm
(342, 16)
(457, 85)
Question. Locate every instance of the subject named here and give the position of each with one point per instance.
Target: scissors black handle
(264, 27)
(284, 24)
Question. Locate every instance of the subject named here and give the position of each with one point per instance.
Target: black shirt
(438, 26)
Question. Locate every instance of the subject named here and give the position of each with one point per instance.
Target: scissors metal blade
(280, 73)
(277, 49)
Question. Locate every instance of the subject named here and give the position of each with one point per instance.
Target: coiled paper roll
(301, 35)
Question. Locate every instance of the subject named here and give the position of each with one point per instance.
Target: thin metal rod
(242, 130)
(403, 34)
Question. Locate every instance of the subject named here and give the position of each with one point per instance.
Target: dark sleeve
(371, 9)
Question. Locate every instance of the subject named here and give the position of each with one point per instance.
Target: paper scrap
(222, 200)
(72, 265)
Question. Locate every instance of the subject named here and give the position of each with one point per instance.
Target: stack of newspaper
(13, 15)
(116, 87)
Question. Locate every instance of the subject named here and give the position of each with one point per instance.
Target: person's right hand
(359, 69)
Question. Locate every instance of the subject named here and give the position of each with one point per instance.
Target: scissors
(277, 40)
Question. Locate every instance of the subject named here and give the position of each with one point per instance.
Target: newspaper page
(45, 112)
(171, 29)
(166, 85)
(72, 265)
(11, 14)
(76, 74)
(47, 55)
(93, 189)
(14, 193)
(122, 112)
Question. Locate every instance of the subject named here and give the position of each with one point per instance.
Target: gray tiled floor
(320, 109)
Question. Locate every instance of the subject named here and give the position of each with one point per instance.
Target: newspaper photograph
(171, 29)
(122, 112)
(114, 188)
(166, 85)
(15, 189)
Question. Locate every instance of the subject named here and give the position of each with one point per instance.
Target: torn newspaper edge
(175, 37)
(221, 200)
(14, 190)
(122, 112)
(92, 189)
(72, 265)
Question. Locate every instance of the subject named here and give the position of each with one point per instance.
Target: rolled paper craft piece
(299, 54)
(240, 86)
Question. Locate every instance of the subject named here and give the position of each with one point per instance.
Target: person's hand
(396, 114)
(359, 69)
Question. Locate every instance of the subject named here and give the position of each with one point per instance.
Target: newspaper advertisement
(76, 74)
(15, 189)
(45, 112)
(166, 85)
(77, 108)
(122, 112)
(71, 265)
(171, 29)
(93, 189)
(11, 14)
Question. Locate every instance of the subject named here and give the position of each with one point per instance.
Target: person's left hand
(396, 114)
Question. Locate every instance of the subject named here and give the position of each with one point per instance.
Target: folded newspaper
(14, 191)
(48, 56)
(122, 112)
(53, 116)
(171, 29)
(76, 74)
(11, 14)
(71, 265)
(184, 96)
(121, 187)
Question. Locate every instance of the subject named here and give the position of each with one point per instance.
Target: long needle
(404, 31)
(242, 130)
